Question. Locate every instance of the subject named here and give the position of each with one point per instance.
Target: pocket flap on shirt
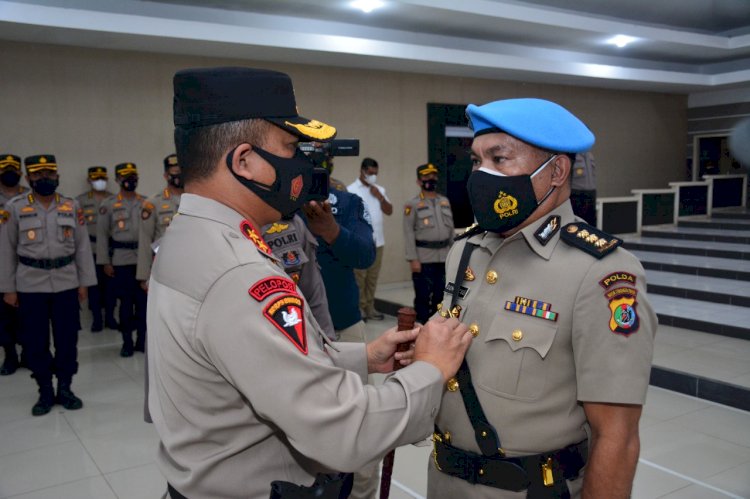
(523, 331)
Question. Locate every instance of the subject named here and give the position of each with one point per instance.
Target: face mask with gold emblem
(501, 202)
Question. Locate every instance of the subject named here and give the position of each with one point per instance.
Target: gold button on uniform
(474, 330)
(452, 385)
(491, 277)
(517, 335)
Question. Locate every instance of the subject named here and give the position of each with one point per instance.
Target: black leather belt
(47, 264)
(543, 474)
(173, 493)
(433, 244)
(123, 244)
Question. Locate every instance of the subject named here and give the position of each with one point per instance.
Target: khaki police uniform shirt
(293, 243)
(427, 219)
(119, 219)
(244, 387)
(90, 206)
(17, 192)
(584, 172)
(532, 372)
(33, 231)
(156, 215)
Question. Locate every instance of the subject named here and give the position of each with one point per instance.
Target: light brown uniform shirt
(244, 387)
(119, 219)
(18, 191)
(431, 220)
(297, 248)
(90, 206)
(532, 373)
(156, 215)
(32, 231)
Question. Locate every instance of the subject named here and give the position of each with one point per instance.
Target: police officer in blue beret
(548, 399)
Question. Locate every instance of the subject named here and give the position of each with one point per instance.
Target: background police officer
(428, 234)
(117, 250)
(45, 269)
(102, 295)
(156, 216)
(583, 187)
(10, 175)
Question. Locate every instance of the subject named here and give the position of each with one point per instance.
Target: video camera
(319, 153)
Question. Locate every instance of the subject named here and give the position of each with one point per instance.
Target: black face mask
(429, 185)
(502, 203)
(289, 191)
(129, 184)
(175, 180)
(45, 186)
(10, 178)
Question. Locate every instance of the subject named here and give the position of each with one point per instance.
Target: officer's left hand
(320, 220)
(382, 355)
(83, 293)
(11, 299)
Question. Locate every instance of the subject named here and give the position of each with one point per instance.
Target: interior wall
(90, 106)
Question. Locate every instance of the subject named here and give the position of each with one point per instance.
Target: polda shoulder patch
(590, 239)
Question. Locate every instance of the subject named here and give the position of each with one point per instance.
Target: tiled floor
(690, 448)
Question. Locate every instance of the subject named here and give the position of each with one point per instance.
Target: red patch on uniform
(270, 285)
(287, 314)
(296, 190)
(81, 218)
(252, 234)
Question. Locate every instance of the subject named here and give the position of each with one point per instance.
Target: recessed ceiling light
(621, 40)
(367, 6)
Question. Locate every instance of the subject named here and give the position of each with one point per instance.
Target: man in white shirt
(377, 204)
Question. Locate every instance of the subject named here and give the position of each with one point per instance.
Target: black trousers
(9, 326)
(102, 295)
(584, 205)
(428, 289)
(132, 302)
(36, 311)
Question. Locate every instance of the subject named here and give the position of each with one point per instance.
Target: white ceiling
(683, 46)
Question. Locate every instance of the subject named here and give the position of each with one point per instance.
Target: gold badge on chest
(491, 277)
(120, 224)
(469, 274)
(31, 235)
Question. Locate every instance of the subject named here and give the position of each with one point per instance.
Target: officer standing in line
(247, 394)
(156, 216)
(45, 269)
(10, 176)
(117, 249)
(102, 294)
(296, 248)
(547, 404)
(583, 187)
(428, 235)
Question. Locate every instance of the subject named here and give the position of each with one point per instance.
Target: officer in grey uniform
(428, 235)
(249, 397)
(583, 187)
(45, 269)
(101, 294)
(117, 250)
(296, 248)
(156, 216)
(10, 176)
(547, 402)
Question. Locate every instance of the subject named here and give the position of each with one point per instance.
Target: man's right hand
(11, 299)
(416, 266)
(109, 270)
(443, 343)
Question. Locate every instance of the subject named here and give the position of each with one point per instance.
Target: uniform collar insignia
(252, 234)
(548, 229)
(469, 274)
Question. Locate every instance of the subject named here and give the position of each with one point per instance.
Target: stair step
(697, 234)
(715, 318)
(740, 213)
(724, 268)
(685, 247)
(694, 287)
(743, 225)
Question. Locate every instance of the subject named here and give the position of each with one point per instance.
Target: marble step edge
(731, 274)
(699, 294)
(682, 236)
(686, 250)
(705, 224)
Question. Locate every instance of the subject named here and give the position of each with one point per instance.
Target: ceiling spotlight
(367, 6)
(621, 40)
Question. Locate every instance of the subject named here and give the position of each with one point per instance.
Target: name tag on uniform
(463, 291)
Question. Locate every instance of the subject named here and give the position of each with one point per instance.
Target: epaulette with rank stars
(470, 231)
(590, 239)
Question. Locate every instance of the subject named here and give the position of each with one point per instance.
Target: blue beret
(538, 122)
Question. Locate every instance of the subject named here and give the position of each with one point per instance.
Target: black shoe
(66, 397)
(126, 350)
(45, 402)
(377, 316)
(139, 347)
(112, 324)
(10, 365)
(97, 326)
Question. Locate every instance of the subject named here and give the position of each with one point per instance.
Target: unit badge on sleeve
(622, 305)
(287, 314)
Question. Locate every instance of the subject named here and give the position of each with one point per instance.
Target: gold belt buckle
(547, 478)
